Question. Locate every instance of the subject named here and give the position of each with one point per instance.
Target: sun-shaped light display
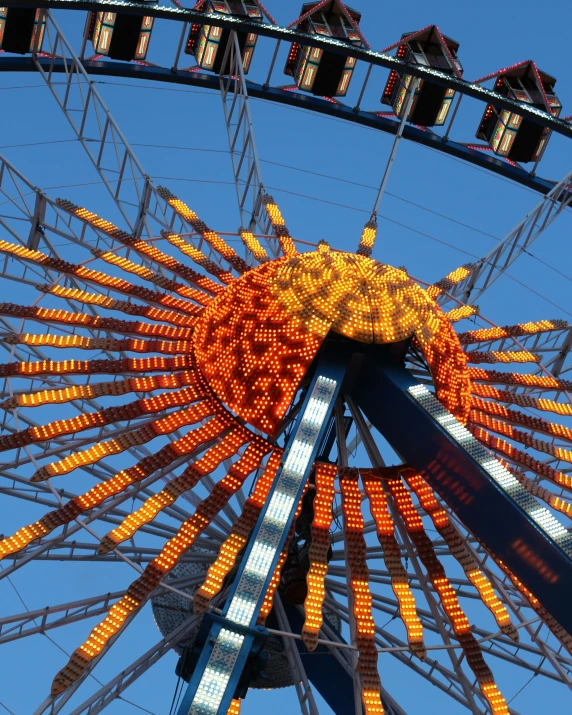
(225, 351)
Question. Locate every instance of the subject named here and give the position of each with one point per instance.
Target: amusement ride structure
(230, 383)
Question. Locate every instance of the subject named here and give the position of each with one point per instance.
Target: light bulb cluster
(94, 367)
(253, 245)
(200, 259)
(210, 236)
(461, 313)
(504, 356)
(225, 449)
(150, 276)
(520, 379)
(132, 438)
(522, 458)
(511, 331)
(451, 280)
(447, 596)
(146, 249)
(325, 475)
(359, 582)
(51, 315)
(144, 311)
(458, 549)
(238, 537)
(514, 398)
(139, 591)
(385, 528)
(279, 226)
(368, 237)
(251, 352)
(91, 276)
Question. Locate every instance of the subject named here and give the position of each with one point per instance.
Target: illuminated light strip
(198, 257)
(506, 429)
(238, 536)
(457, 547)
(210, 236)
(268, 601)
(145, 311)
(96, 367)
(253, 245)
(536, 490)
(447, 596)
(51, 315)
(515, 378)
(151, 276)
(279, 226)
(451, 280)
(499, 474)
(461, 313)
(138, 245)
(318, 554)
(385, 528)
(504, 356)
(368, 237)
(133, 438)
(521, 458)
(513, 398)
(538, 424)
(118, 483)
(225, 449)
(109, 415)
(81, 342)
(563, 636)
(234, 708)
(359, 581)
(478, 418)
(511, 331)
(100, 389)
(259, 563)
(156, 570)
(91, 276)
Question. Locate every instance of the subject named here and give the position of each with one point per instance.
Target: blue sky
(437, 210)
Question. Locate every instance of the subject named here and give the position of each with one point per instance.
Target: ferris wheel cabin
(509, 134)
(431, 102)
(119, 36)
(323, 73)
(18, 28)
(209, 44)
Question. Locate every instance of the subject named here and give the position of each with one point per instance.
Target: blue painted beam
(497, 520)
(484, 160)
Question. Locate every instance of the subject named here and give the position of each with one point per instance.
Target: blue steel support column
(486, 497)
(231, 638)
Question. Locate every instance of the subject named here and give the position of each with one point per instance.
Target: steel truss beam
(497, 261)
(294, 99)
(243, 152)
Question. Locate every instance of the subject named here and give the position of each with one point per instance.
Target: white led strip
(262, 555)
(507, 481)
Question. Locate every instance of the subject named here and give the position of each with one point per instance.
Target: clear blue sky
(468, 209)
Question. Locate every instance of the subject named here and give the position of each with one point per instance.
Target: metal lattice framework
(35, 221)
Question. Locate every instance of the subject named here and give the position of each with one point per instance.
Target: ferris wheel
(307, 463)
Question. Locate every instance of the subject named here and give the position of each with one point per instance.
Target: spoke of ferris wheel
(500, 583)
(301, 683)
(517, 242)
(384, 639)
(497, 645)
(113, 689)
(343, 462)
(133, 191)
(29, 623)
(376, 461)
(243, 151)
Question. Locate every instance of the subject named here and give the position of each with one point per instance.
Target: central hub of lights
(257, 339)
